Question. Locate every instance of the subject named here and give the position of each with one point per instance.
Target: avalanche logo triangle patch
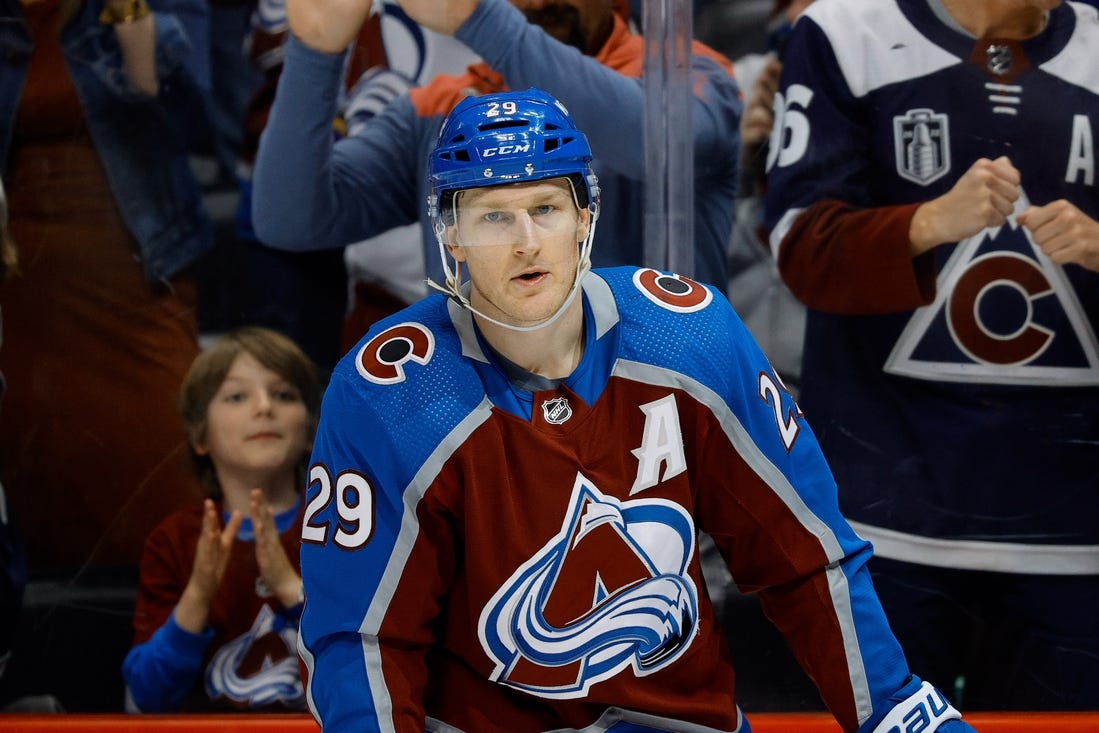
(1004, 313)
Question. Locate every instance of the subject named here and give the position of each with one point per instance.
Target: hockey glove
(918, 707)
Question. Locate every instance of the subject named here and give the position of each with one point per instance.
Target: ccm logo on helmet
(381, 359)
(505, 150)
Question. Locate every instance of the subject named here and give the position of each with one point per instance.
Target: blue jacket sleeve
(178, 112)
(183, 41)
(309, 192)
(606, 104)
(160, 672)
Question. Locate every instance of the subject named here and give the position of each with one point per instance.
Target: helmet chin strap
(452, 286)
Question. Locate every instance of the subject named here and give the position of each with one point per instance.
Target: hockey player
(509, 480)
(932, 198)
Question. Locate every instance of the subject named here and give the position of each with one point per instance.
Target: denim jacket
(142, 141)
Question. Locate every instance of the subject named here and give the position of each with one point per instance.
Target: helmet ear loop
(586, 246)
(589, 240)
(594, 193)
(452, 285)
(593, 202)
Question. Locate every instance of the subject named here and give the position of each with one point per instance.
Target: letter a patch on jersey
(609, 592)
(1004, 313)
(661, 445)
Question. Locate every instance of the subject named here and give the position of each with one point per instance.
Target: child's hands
(275, 568)
(215, 543)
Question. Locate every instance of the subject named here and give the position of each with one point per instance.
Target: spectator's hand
(441, 16)
(759, 115)
(274, 566)
(328, 26)
(983, 197)
(215, 543)
(1066, 234)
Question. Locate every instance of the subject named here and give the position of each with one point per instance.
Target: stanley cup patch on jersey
(921, 142)
(1003, 313)
(609, 592)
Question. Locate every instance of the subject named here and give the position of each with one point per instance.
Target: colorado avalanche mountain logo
(610, 591)
(259, 667)
(1004, 313)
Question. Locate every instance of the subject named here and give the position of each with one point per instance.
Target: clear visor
(513, 215)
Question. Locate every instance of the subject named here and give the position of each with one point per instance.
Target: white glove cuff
(924, 710)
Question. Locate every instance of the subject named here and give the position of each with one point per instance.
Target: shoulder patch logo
(381, 359)
(1004, 313)
(921, 141)
(556, 411)
(674, 292)
(609, 592)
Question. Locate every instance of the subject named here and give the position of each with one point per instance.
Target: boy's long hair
(209, 369)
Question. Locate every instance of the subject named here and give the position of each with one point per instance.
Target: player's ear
(457, 251)
(450, 233)
(584, 224)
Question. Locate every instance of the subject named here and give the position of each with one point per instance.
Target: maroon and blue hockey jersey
(481, 558)
(245, 660)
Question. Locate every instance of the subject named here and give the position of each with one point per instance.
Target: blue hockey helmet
(508, 137)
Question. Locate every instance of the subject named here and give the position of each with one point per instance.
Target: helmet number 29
(495, 109)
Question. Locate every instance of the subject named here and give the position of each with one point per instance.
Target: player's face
(584, 24)
(256, 422)
(521, 246)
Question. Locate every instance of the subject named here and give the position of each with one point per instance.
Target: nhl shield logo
(556, 411)
(921, 139)
(999, 59)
